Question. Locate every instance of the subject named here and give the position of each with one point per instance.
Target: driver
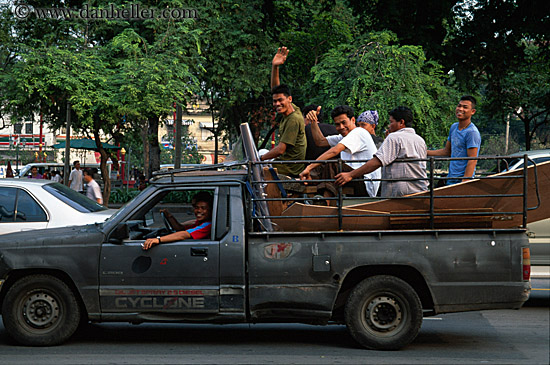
(197, 229)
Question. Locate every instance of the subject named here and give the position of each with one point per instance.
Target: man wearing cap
(369, 120)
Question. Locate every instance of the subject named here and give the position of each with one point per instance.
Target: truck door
(176, 277)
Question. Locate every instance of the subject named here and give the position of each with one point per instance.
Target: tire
(40, 310)
(383, 313)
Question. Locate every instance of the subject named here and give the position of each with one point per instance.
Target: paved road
(488, 337)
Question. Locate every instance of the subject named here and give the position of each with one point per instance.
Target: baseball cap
(369, 116)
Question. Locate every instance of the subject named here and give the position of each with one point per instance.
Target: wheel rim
(40, 310)
(384, 315)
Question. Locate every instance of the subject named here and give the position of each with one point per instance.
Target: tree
(501, 47)
(236, 56)
(415, 22)
(378, 75)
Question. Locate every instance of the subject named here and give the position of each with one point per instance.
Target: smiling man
(194, 229)
(353, 143)
(464, 141)
(292, 140)
(402, 142)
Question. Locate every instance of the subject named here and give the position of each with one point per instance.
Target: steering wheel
(167, 223)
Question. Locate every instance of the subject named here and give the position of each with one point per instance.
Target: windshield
(73, 198)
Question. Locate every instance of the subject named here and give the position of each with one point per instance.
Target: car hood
(87, 234)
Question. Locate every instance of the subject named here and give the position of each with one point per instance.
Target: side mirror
(121, 232)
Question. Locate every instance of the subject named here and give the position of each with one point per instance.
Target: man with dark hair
(75, 178)
(194, 229)
(292, 140)
(352, 143)
(313, 151)
(464, 141)
(401, 142)
(93, 191)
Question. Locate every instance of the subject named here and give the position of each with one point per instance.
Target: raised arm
(318, 138)
(278, 60)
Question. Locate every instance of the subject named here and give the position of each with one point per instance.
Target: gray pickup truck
(379, 283)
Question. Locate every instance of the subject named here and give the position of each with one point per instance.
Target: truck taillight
(526, 263)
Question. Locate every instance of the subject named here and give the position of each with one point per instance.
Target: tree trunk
(154, 148)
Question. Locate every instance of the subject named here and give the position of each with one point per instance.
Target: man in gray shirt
(401, 142)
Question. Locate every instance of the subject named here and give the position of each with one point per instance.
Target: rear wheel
(40, 310)
(383, 313)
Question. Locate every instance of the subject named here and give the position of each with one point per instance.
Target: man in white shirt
(75, 178)
(402, 143)
(93, 191)
(352, 143)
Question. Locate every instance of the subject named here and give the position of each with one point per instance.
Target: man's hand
(343, 178)
(305, 175)
(150, 242)
(313, 115)
(280, 56)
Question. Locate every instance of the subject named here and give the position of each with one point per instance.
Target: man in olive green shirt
(292, 141)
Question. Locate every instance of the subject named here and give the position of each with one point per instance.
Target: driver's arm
(173, 221)
(173, 237)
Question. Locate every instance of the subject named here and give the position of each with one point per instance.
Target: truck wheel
(383, 313)
(40, 310)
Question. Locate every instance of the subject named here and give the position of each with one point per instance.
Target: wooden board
(483, 192)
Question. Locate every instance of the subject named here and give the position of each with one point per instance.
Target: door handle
(199, 251)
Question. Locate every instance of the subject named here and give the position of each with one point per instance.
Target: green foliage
(309, 29)
(380, 76)
(123, 195)
(501, 48)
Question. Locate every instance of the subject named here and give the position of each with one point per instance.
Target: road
(488, 337)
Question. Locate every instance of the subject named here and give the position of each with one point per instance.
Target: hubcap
(41, 310)
(383, 313)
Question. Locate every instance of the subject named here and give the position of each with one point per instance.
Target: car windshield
(73, 198)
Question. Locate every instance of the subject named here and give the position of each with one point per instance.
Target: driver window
(169, 211)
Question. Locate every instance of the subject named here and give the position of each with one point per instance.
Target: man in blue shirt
(464, 141)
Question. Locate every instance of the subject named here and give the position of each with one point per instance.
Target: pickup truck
(379, 283)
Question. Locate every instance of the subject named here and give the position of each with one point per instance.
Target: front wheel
(40, 310)
(383, 313)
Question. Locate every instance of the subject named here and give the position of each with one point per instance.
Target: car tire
(383, 313)
(40, 310)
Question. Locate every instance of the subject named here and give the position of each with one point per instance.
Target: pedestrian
(75, 178)
(464, 141)
(56, 176)
(34, 173)
(93, 191)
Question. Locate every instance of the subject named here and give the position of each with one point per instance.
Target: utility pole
(177, 138)
(507, 138)
(67, 146)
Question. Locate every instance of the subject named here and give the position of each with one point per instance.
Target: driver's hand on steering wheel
(165, 212)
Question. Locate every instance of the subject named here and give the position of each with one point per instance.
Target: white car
(515, 160)
(27, 204)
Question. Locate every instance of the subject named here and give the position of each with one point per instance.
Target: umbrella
(85, 144)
